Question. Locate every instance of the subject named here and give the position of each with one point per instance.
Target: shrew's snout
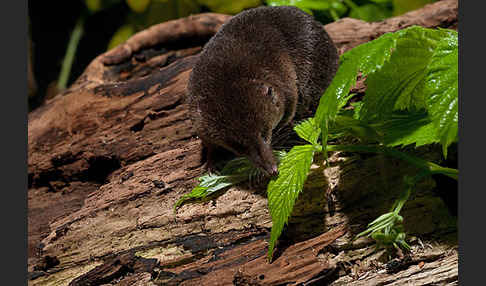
(261, 156)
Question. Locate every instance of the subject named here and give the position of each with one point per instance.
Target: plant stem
(432, 168)
(70, 52)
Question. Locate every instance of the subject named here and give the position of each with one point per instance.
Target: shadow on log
(109, 157)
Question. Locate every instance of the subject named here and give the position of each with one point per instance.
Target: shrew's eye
(266, 135)
(269, 91)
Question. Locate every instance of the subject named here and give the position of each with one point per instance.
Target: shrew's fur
(264, 68)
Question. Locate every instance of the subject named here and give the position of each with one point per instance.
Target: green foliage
(98, 5)
(348, 126)
(391, 90)
(308, 130)
(404, 128)
(283, 192)
(411, 99)
(138, 6)
(229, 7)
(403, 6)
(371, 12)
(235, 171)
(331, 10)
(93, 5)
(366, 58)
(387, 230)
(441, 87)
(414, 70)
(305, 5)
(121, 35)
(402, 106)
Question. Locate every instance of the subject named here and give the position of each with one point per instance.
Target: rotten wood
(110, 156)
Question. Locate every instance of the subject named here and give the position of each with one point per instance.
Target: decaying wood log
(109, 157)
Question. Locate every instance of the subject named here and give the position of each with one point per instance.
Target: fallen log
(109, 157)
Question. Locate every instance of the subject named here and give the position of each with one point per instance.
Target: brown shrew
(265, 68)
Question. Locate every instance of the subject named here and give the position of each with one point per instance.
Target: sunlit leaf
(441, 87)
(308, 130)
(283, 191)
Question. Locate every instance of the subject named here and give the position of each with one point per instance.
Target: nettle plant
(411, 98)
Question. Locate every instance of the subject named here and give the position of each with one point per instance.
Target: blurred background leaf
(121, 35)
(403, 6)
(229, 7)
(371, 12)
(138, 6)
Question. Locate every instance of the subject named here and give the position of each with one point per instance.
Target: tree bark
(110, 156)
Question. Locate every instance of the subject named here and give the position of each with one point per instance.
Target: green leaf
(209, 184)
(422, 73)
(347, 125)
(370, 13)
(408, 128)
(320, 5)
(345, 100)
(282, 192)
(308, 130)
(402, 6)
(121, 35)
(162, 11)
(441, 87)
(138, 6)
(228, 6)
(412, 69)
(367, 58)
(339, 7)
(356, 109)
(98, 5)
(234, 172)
(400, 83)
(93, 5)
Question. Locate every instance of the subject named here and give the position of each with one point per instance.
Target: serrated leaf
(400, 83)
(421, 74)
(234, 172)
(408, 128)
(366, 58)
(347, 125)
(441, 88)
(308, 130)
(345, 100)
(282, 192)
(209, 184)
